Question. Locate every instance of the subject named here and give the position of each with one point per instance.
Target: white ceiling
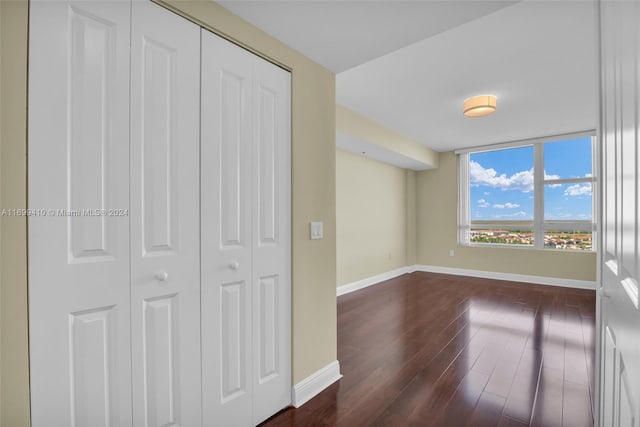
(343, 34)
(538, 57)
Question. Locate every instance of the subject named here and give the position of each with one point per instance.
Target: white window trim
(525, 142)
(464, 217)
(540, 225)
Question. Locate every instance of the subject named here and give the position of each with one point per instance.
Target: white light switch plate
(316, 230)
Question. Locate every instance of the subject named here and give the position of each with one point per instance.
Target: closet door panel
(78, 231)
(226, 233)
(271, 239)
(165, 286)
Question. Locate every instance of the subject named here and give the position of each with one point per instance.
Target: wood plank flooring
(430, 349)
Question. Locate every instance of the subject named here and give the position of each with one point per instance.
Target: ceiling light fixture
(478, 106)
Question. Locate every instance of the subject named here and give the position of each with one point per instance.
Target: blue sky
(502, 182)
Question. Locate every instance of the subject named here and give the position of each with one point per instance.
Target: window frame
(539, 224)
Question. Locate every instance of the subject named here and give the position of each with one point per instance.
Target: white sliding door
(79, 242)
(165, 246)
(245, 163)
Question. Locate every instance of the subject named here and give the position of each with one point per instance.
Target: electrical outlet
(451, 252)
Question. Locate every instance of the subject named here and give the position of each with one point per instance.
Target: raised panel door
(619, 398)
(79, 229)
(226, 245)
(246, 296)
(165, 261)
(271, 275)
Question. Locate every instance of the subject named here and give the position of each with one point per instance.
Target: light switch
(316, 230)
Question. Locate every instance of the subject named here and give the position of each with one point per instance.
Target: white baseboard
(540, 280)
(306, 389)
(373, 280)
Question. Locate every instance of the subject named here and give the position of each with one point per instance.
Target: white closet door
(78, 175)
(246, 296)
(271, 203)
(165, 260)
(226, 233)
(619, 399)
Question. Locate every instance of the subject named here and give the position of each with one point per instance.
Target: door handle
(234, 265)
(605, 293)
(161, 276)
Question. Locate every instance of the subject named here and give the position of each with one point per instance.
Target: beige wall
(374, 202)
(411, 214)
(437, 192)
(14, 371)
(1, 205)
(371, 208)
(313, 197)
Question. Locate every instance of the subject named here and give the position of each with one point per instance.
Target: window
(537, 194)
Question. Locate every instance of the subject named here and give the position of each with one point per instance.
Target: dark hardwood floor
(438, 350)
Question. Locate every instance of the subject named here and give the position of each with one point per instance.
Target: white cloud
(486, 193)
(507, 205)
(546, 176)
(483, 203)
(522, 181)
(578, 190)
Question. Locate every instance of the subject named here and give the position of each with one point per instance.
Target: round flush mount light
(478, 106)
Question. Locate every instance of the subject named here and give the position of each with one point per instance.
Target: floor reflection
(436, 350)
